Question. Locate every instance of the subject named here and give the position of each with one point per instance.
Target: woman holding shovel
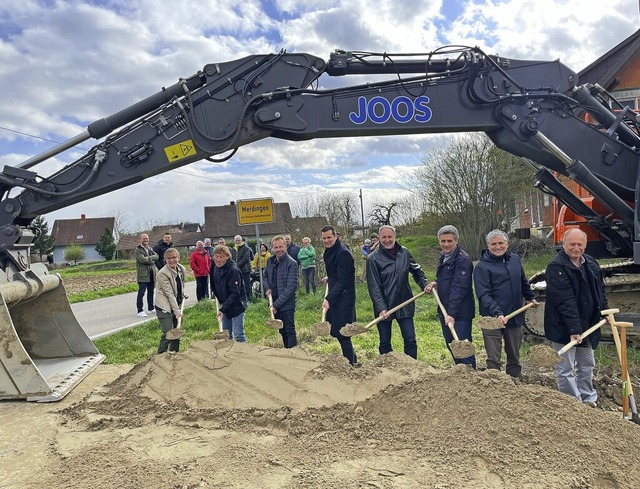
(228, 288)
(388, 270)
(169, 298)
(501, 286)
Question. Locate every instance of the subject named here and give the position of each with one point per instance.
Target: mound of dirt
(230, 415)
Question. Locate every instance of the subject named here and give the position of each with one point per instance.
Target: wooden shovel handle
(518, 311)
(324, 311)
(270, 306)
(220, 328)
(444, 313)
(181, 311)
(572, 343)
(394, 309)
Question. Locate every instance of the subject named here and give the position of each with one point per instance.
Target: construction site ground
(229, 415)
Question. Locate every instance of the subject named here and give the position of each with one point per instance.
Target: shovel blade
(489, 323)
(175, 334)
(352, 329)
(322, 329)
(462, 348)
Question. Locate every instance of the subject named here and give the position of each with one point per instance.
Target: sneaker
(152, 311)
(142, 314)
(590, 404)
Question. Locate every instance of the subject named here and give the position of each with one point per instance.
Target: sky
(65, 64)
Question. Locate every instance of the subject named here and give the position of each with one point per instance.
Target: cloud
(69, 62)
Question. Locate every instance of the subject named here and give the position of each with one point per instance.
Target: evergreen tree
(106, 247)
(44, 242)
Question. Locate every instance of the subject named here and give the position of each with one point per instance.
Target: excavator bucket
(44, 352)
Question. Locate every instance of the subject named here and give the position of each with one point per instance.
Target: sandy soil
(229, 415)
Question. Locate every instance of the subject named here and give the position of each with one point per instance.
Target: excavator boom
(533, 109)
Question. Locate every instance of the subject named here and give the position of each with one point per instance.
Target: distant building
(84, 232)
(222, 222)
(183, 241)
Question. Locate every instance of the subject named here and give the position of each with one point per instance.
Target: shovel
(273, 323)
(490, 322)
(629, 386)
(573, 343)
(177, 332)
(323, 328)
(352, 329)
(221, 334)
(459, 349)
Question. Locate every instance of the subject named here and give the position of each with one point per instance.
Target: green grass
(102, 293)
(136, 344)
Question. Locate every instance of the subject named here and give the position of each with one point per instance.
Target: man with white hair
(243, 262)
(501, 286)
(574, 298)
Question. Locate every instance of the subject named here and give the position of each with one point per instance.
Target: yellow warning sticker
(179, 151)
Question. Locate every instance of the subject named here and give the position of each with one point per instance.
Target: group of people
(574, 296)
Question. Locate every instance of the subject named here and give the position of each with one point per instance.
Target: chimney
(83, 217)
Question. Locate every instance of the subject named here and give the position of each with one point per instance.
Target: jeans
(493, 346)
(463, 330)
(235, 326)
(574, 374)
(288, 330)
(408, 335)
(142, 287)
(167, 322)
(202, 287)
(309, 276)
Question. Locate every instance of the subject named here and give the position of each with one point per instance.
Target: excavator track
(622, 286)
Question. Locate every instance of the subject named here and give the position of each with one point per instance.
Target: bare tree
(383, 214)
(341, 210)
(473, 185)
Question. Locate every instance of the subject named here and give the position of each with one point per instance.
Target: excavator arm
(533, 109)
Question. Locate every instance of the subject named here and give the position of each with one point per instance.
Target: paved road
(103, 317)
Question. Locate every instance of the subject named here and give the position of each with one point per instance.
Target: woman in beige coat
(169, 297)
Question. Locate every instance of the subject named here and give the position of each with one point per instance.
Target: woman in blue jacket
(501, 286)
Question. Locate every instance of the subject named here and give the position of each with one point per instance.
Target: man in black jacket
(243, 261)
(574, 298)
(163, 245)
(340, 302)
(388, 269)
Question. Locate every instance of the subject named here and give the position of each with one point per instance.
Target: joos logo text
(401, 109)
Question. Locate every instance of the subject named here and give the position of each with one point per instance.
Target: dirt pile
(229, 415)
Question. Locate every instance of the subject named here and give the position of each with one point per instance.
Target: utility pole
(362, 213)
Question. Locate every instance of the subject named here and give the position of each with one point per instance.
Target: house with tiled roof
(221, 221)
(84, 232)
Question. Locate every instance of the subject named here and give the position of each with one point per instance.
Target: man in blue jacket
(388, 269)
(455, 289)
(281, 283)
(574, 298)
(501, 286)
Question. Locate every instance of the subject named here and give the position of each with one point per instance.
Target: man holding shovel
(281, 284)
(501, 285)
(453, 281)
(574, 298)
(340, 302)
(169, 298)
(388, 270)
